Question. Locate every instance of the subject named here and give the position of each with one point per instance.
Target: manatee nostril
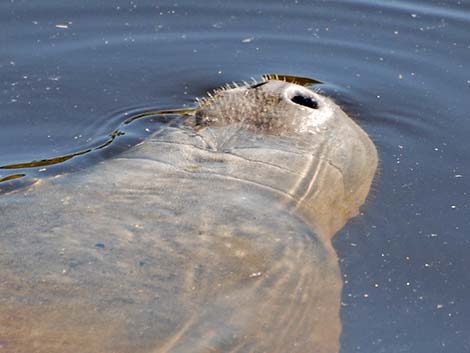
(305, 101)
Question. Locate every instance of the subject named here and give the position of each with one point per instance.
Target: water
(72, 73)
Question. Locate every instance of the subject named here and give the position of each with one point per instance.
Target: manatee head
(338, 159)
(270, 107)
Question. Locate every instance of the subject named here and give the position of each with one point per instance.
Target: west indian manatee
(213, 235)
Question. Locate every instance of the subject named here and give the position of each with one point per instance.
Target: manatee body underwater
(210, 236)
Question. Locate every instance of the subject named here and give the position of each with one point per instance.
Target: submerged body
(213, 236)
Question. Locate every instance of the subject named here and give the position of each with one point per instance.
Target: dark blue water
(73, 72)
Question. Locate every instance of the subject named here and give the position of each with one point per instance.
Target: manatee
(212, 235)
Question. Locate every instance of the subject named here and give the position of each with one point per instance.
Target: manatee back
(141, 255)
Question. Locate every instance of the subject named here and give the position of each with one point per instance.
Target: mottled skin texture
(213, 236)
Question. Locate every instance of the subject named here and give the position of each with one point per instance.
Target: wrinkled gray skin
(210, 237)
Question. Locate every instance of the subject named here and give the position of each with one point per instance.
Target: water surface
(74, 72)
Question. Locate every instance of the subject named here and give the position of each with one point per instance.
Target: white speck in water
(453, 207)
(247, 40)
(439, 306)
(458, 176)
(42, 170)
(413, 15)
(62, 26)
(400, 76)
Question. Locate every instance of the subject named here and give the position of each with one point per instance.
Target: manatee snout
(295, 94)
(271, 108)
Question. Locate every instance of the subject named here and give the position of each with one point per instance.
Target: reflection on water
(159, 119)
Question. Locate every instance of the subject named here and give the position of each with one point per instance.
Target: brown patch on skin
(32, 321)
(57, 329)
